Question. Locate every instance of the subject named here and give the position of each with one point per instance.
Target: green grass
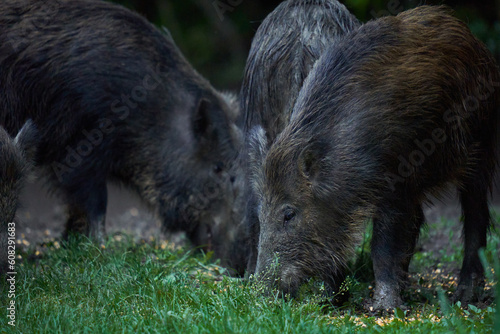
(127, 287)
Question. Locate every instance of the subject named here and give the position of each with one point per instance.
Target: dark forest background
(215, 35)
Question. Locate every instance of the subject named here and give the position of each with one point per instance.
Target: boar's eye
(218, 167)
(288, 215)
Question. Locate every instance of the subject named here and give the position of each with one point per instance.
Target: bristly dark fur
(16, 159)
(284, 49)
(114, 99)
(286, 46)
(390, 113)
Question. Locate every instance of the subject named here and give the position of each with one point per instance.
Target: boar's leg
(476, 219)
(86, 212)
(395, 233)
(414, 232)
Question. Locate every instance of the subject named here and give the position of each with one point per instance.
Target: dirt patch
(42, 217)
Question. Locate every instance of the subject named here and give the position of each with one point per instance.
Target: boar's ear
(202, 121)
(311, 160)
(257, 153)
(27, 140)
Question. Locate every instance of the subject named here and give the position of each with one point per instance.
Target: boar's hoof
(386, 298)
(469, 293)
